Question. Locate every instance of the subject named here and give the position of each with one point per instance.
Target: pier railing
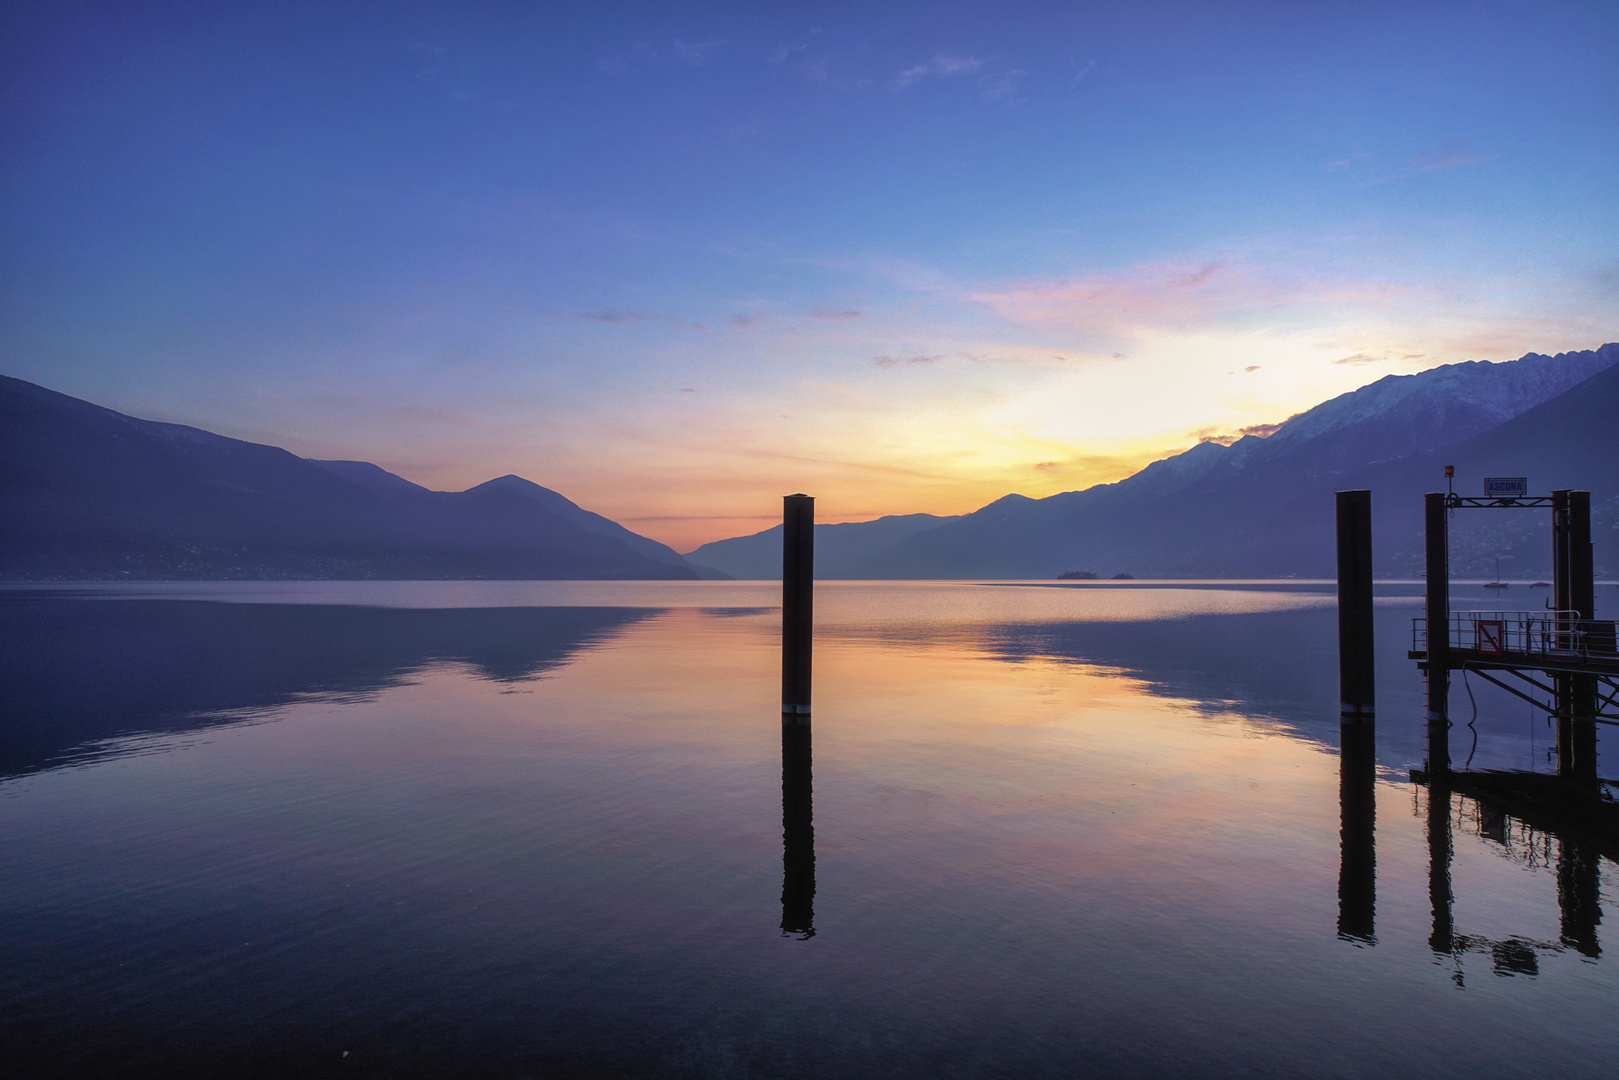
(1553, 634)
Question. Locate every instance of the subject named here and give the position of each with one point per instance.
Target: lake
(538, 829)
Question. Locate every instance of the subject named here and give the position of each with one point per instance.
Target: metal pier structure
(1561, 660)
(1562, 653)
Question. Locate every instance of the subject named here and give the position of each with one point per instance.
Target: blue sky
(674, 260)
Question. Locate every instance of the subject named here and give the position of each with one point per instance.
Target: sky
(676, 260)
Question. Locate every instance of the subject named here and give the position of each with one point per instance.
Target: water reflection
(1357, 836)
(1281, 665)
(1531, 818)
(1041, 867)
(77, 672)
(797, 831)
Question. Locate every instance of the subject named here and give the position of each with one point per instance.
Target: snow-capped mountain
(1262, 506)
(1392, 418)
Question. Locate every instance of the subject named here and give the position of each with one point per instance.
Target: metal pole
(797, 606)
(1356, 686)
(1437, 604)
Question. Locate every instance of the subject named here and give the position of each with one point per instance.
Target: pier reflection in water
(1539, 820)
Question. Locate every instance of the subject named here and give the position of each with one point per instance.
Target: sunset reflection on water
(1039, 846)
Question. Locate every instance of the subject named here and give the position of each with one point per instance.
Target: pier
(1561, 660)
(1562, 652)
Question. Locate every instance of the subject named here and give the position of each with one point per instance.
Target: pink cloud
(1160, 297)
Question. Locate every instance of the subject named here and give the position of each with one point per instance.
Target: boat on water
(1497, 583)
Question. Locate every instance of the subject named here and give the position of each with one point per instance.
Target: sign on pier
(1505, 486)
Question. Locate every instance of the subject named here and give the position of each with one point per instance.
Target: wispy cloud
(1263, 431)
(1356, 359)
(1439, 159)
(1001, 87)
(905, 359)
(783, 53)
(941, 64)
(1160, 297)
(824, 314)
(695, 52)
(616, 316)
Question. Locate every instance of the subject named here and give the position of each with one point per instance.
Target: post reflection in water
(1579, 896)
(1525, 814)
(797, 830)
(1357, 835)
(1442, 938)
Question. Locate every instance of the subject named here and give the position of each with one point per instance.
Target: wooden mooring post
(797, 605)
(797, 650)
(1356, 685)
(1436, 604)
(1574, 592)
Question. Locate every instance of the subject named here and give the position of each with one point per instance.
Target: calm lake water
(537, 829)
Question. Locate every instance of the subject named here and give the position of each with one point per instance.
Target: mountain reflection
(1282, 665)
(77, 671)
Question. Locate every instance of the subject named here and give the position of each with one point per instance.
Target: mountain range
(89, 493)
(1263, 506)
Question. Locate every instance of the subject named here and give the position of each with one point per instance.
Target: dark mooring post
(1562, 583)
(1436, 607)
(1356, 687)
(1357, 832)
(797, 605)
(797, 832)
(1574, 592)
(797, 648)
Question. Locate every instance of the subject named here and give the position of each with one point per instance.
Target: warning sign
(1491, 636)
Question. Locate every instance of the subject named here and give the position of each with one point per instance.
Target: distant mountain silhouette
(841, 550)
(86, 492)
(1263, 507)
